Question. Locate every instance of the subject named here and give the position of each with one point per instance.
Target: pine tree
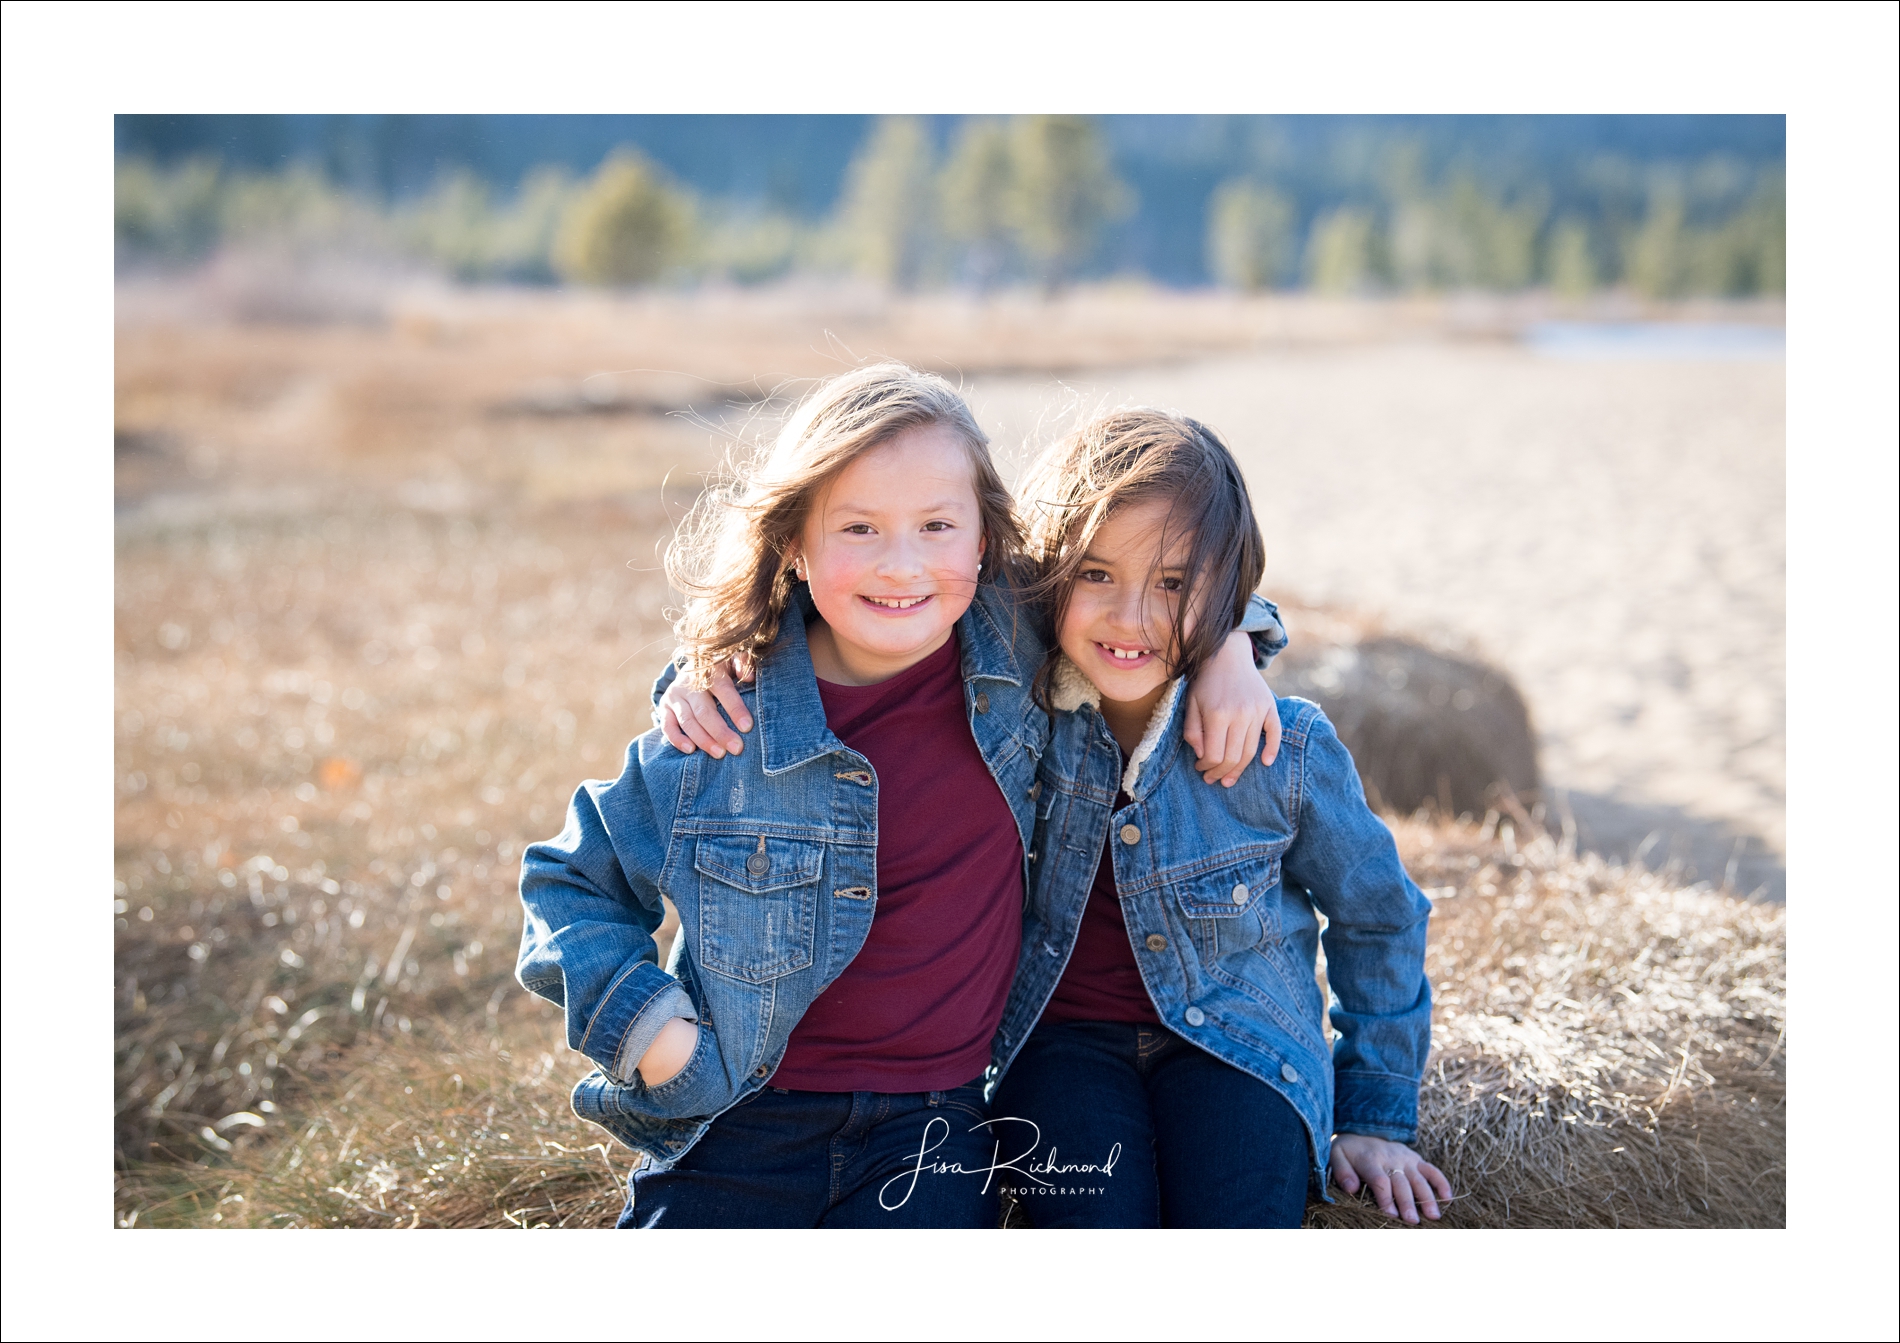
(1066, 193)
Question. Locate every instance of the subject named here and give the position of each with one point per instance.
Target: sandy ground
(1610, 532)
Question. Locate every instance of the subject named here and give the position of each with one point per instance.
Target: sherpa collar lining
(1069, 690)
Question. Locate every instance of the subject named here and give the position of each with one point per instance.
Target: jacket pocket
(758, 904)
(1233, 907)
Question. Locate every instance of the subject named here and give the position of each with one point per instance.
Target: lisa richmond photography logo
(1050, 1174)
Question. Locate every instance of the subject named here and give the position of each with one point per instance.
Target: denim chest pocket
(758, 904)
(1232, 908)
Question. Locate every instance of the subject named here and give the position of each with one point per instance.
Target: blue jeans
(1203, 1144)
(820, 1158)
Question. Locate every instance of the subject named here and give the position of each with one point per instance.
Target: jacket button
(758, 864)
(1131, 834)
(761, 1071)
(1156, 942)
(1240, 893)
(982, 703)
(1035, 790)
(1289, 1072)
(1195, 1016)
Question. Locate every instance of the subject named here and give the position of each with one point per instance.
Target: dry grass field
(386, 592)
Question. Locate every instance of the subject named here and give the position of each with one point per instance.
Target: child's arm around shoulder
(591, 902)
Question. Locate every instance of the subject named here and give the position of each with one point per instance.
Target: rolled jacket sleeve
(1261, 624)
(591, 904)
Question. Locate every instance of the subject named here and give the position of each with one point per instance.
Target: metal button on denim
(1289, 1072)
(1240, 893)
(982, 703)
(1035, 790)
(758, 864)
(1156, 942)
(1131, 834)
(1195, 1016)
(761, 1071)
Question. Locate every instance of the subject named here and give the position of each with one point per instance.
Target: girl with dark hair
(1163, 1054)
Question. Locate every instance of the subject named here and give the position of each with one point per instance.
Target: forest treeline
(1033, 200)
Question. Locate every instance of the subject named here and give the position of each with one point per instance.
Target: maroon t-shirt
(916, 1009)
(1101, 982)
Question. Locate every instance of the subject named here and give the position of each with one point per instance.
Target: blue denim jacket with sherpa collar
(1221, 889)
(770, 856)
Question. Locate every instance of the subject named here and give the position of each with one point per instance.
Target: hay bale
(1607, 1046)
(1426, 728)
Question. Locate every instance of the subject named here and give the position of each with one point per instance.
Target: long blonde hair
(731, 557)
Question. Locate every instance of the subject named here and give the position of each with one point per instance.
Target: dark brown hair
(732, 556)
(1133, 456)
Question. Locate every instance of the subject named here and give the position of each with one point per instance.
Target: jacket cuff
(629, 1018)
(1261, 624)
(1380, 1105)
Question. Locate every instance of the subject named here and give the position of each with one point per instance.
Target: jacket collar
(987, 634)
(1070, 690)
(792, 729)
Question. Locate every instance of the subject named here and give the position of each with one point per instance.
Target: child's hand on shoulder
(690, 719)
(1403, 1183)
(1228, 708)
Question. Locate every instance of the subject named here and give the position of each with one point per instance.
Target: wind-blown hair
(731, 557)
(1133, 456)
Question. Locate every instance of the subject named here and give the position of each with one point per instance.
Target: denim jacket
(770, 856)
(1222, 889)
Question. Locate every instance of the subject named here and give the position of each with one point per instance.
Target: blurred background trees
(1659, 206)
(1252, 236)
(625, 227)
(887, 220)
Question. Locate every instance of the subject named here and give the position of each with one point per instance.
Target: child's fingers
(1191, 729)
(1239, 753)
(1402, 1197)
(1210, 757)
(1382, 1193)
(1226, 749)
(670, 729)
(714, 725)
(1422, 1194)
(1440, 1185)
(694, 726)
(1271, 751)
(728, 696)
(700, 718)
(1344, 1175)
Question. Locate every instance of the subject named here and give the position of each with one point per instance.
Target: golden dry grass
(385, 595)
(1607, 1044)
